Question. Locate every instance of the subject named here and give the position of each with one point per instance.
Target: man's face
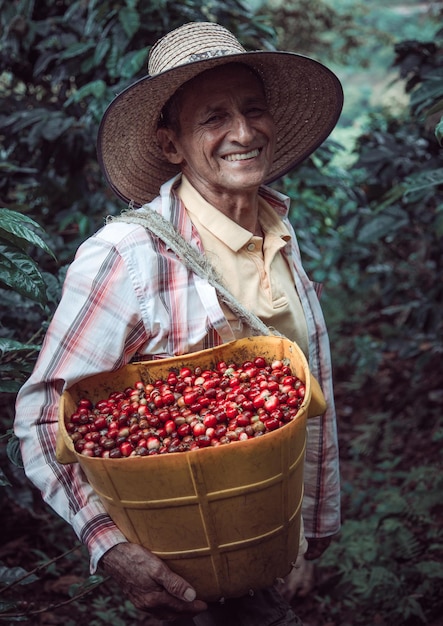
(227, 135)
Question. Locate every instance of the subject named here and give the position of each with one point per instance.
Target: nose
(241, 130)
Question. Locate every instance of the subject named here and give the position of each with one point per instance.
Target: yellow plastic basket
(225, 518)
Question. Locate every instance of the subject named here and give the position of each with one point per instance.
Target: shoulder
(117, 233)
(131, 227)
(278, 201)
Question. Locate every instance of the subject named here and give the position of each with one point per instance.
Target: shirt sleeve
(321, 500)
(98, 295)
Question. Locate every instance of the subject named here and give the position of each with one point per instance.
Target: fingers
(171, 582)
(299, 582)
(164, 606)
(176, 593)
(149, 583)
(306, 581)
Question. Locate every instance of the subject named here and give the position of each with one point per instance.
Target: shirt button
(251, 247)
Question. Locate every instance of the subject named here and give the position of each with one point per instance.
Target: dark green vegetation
(370, 230)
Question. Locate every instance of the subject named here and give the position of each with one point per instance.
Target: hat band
(209, 54)
(192, 42)
(204, 55)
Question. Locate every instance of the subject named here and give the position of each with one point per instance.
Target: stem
(39, 568)
(57, 604)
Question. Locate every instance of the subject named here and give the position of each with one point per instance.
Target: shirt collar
(225, 229)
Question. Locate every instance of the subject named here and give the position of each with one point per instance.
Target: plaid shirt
(126, 296)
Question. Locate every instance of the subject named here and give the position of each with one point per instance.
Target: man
(194, 141)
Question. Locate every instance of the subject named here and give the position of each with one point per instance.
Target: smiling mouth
(242, 156)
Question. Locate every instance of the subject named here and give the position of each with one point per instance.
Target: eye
(256, 111)
(214, 118)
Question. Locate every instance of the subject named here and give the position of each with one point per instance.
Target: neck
(243, 211)
(241, 207)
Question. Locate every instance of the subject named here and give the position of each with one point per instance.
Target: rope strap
(193, 260)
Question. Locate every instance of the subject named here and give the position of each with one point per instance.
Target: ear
(168, 143)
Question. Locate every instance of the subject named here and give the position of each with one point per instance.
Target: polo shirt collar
(223, 227)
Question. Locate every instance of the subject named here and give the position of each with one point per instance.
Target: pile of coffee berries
(189, 410)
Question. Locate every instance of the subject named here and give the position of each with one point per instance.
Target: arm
(97, 296)
(321, 502)
(97, 327)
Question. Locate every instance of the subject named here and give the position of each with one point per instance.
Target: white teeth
(242, 157)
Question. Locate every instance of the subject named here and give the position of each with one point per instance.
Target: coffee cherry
(189, 410)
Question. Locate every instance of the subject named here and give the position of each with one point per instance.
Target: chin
(246, 181)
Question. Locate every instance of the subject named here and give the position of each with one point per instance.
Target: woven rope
(193, 260)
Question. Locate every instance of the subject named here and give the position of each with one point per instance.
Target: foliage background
(368, 210)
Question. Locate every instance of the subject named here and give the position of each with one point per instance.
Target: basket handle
(317, 404)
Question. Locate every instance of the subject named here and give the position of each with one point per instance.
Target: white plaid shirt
(126, 296)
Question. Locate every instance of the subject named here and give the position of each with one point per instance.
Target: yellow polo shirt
(253, 268)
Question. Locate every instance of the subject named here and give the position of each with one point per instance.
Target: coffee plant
(20, 276)
(379, 241)
(370, 232)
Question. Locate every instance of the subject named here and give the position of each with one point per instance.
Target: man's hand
(149, 583)
(298, 582)
(301, 579)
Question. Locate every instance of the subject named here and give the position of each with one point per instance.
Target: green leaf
(430, 569)
(19, 272)
(130, 20)
(13, 451)
(439, 225)
(96, 88)
(10, 345)
(410, 606)
(73, 12)
(439, 132)
(45, 123)
(13, 168)
(18, 217)
(132, 63)
(423, 180)
(381, 225)
(15, 223)
(76, 50)
(428, 92)
(45, 59)
(10, 386)
(10, 606)
(87, 585)
(55, 126)
(22, 119)
(112, 60)
(4, 482)
(9, 575)
(101, 51)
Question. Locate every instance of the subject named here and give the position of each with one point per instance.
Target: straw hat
(304, 97)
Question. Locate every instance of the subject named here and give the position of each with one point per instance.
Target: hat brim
(305, 99)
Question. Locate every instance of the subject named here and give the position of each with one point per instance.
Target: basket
(225, 518)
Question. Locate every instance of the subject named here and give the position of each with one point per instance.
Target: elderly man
(195, 142)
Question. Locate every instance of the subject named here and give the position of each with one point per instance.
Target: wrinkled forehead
(219, 77)
(211, 86)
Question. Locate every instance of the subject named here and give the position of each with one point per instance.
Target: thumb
(177, 586)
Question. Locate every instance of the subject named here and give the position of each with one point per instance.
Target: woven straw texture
(305, 99)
